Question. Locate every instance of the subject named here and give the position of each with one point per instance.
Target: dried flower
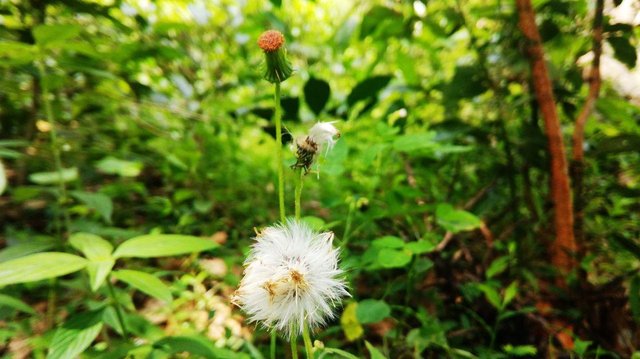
(278, 67)
(320, 135)
(291, 278)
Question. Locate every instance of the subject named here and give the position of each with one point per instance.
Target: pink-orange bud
(271, 40)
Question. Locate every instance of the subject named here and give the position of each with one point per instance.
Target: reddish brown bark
(564, 246)
(595, 82)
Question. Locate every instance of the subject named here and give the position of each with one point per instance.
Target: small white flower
(324, 133)
(291, 278)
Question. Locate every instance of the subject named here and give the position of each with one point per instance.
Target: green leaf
(520, 350)
(372, 311)
(162, 245)
(393, 258)
(349, 322)
(30, 246)
(414, 142)
(623, 50)
(115, 166)
(497, 266)
(374, 352)
(45, 178)
(316, 94)
(492, 295)
(3, 178)
(15, 303)
(382, 22)
(75, 335)
(198, 346)
(388, 242)
(101, 203)
(367, 89)
(17, 53)
(510, 293)
(146, 283)
(455, 220)
(338, 352)
(98, 251)
(52, 35)
(39, 266)
(420, 247)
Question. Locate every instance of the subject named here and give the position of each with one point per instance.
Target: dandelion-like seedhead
(278, 67)
(322, 134)
(291, 278)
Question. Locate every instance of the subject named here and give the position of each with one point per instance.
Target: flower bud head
(278, 67)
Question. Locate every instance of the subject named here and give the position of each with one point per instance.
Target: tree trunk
(563, 249)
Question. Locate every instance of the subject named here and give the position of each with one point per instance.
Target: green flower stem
(273, 344)
(279, 156)
(116, 306)
(298, 193)
(55, 149)
(307, 341)
(294, 346)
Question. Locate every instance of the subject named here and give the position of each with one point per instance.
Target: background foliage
(437, 190)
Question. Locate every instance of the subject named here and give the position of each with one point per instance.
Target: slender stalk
(51, 303)
(294, 346)
(116, 306)
(55, 149)
(279, 156)
(298, 193)
(273, 344)
(307, 341)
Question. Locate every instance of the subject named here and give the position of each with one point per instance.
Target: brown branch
(564, 246)
(577, 166)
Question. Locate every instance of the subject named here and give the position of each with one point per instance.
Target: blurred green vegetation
(437, 190)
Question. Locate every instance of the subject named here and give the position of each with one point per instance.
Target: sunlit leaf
(39, 266)
(146, 283)
(75, 335)
(162, 245)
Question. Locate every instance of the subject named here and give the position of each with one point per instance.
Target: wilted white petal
(324, 133)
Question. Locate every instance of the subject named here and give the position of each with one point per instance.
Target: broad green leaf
(15, 303)
(146, 283)
(456, 220)
(197, 346)
(45, 178)
(393, 258)
(623, 50)
(382, 22)
(52, 35)
(497, 266)
(388, 242)
(372, 311)
(337, 352)
(420, 247)
(316, 94)
(115, 166)
(349, 322)
(74, 336)
(367, 89)
(374, 352)
(315, 223)
(39, 266)
(414, 142)
(520, 350)
(162, 245)
(16, 53)
(98, 251)
(492, 295)
(26, 247)
(510, 293)
(100, 202)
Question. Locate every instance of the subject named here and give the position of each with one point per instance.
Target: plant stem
(307, 341)
(57, 161)
(294, 347)
(116, 306)
(298, 193)
(273, 344)
(278, 121)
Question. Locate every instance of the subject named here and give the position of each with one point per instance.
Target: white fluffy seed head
(324, 133)
(291, 277)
